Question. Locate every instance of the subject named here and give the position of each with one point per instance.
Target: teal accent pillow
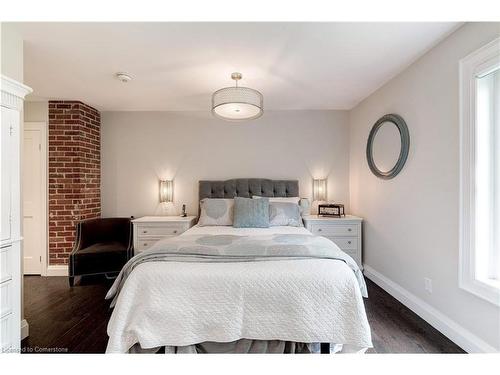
(251, 213)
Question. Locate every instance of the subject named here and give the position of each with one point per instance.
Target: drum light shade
(166, 191)
(319, 190)
(237, 103)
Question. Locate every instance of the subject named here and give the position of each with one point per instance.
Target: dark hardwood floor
(63, 319)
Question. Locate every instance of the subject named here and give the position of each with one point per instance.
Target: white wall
(36, 111)
(138, 148)
(411, 222)
(11, 52)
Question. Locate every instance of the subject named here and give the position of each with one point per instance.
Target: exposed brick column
(74, 172)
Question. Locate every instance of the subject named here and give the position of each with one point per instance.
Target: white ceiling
(176, 66)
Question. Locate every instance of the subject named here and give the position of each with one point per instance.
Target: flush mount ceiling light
(124, 77)
(237, 103)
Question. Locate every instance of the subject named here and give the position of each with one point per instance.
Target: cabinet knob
(319, 230)
(349, 229)
(145, 244)
(349, 242)
(144, 231)
(175, 231)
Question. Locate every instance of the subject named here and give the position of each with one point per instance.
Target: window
(480, 172)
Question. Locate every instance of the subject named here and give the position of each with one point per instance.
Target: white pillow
(284, 214)
(216, 211)
(280, 199)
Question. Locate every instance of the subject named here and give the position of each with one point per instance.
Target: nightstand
(149, 229)
(344, 231)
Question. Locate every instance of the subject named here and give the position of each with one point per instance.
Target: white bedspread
(178, 304)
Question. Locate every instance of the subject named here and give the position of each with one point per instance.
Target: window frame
(479, 63)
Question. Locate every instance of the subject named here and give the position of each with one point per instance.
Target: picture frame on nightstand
(331, 209)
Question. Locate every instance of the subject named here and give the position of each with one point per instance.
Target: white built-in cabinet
(12, 98)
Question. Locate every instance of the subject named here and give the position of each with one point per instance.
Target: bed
(257, 290)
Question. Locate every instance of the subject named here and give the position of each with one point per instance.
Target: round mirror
(388, 146)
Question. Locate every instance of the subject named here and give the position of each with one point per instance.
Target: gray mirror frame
(405, 146)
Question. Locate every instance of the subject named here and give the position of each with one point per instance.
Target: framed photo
(334, 210)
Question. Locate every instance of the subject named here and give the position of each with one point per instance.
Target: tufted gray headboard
(246, 187)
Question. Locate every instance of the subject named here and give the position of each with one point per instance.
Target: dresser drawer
(5, 298)
(5, 263)
(334, 230)
(165, 230)
(345, 243)
(144, 244)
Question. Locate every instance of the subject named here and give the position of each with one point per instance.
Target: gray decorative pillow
(251, 213)
(215, 211)
(284, 214)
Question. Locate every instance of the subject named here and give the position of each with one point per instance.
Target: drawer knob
(144, 231)
(145, 244)
(349, 242)
(319, 230)
(175, 231)
(349, 229)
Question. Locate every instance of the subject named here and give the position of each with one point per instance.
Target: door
(33, 198)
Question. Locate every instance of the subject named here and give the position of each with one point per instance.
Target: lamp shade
(166, 191)
(237, 103)
(319, 190)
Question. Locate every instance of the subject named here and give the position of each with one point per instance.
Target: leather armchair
(102, 246)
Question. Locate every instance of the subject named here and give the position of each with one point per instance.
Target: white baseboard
(57, 270)
(448, 327)
(25, 329)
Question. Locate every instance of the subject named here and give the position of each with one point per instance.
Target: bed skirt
(244, 346)
(241, 346)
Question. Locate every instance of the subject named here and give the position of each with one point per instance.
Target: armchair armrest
(78, 238)
(130, 245)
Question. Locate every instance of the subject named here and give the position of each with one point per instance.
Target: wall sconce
(166, 191)
(319, 190)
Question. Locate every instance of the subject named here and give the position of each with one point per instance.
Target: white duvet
(179, 304)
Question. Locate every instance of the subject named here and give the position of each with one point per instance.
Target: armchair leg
(71, 281)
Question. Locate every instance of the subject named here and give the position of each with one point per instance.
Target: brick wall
(74, 172)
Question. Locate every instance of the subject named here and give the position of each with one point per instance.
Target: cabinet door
(8, 115)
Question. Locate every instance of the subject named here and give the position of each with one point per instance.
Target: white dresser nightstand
(149, 229)
(344, 231)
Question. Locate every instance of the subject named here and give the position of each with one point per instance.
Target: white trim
(473, 65)
(42, 126)
(13, 87)
(448, 327)
(57, 270)
(25, 329)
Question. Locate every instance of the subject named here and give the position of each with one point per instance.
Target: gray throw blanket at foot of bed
(231, 248)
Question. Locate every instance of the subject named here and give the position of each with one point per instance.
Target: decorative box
(331, 209)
